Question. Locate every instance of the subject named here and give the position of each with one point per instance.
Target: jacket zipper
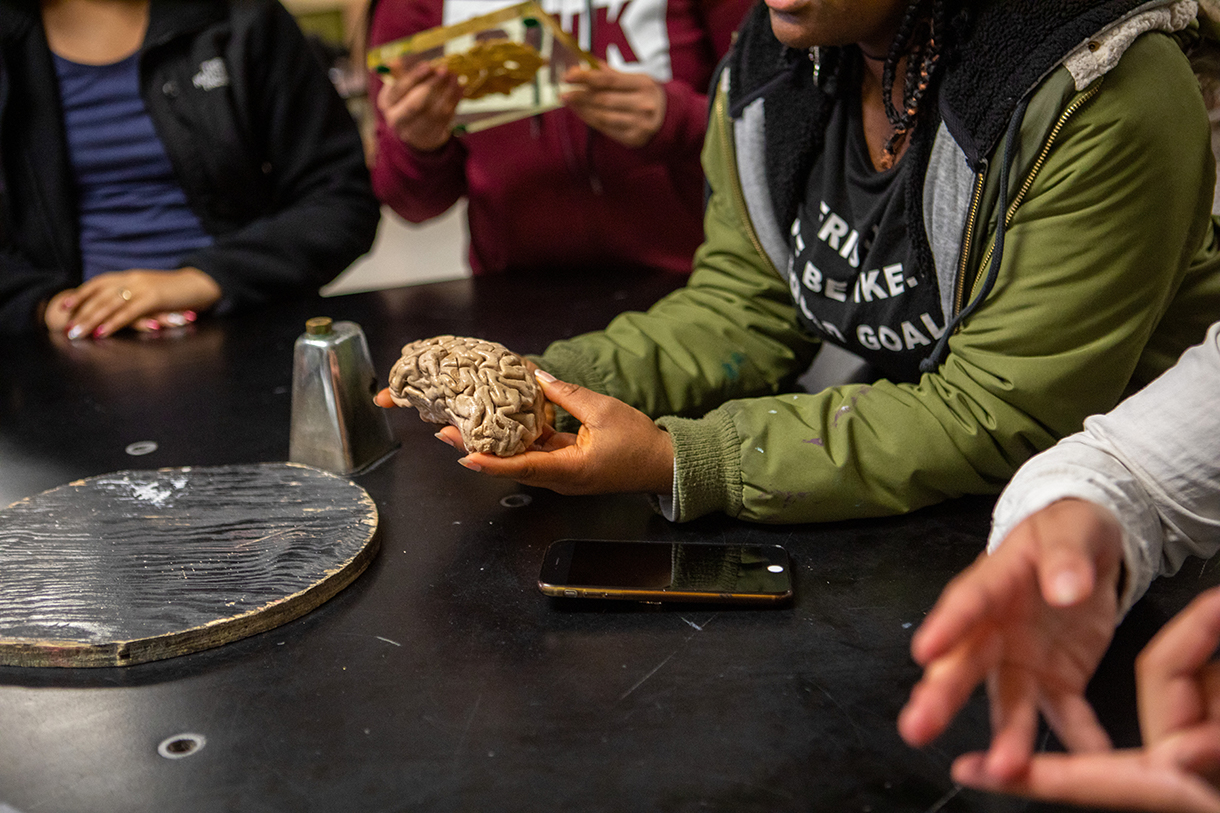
(1068, 112)
(738, 195)
(976, 198)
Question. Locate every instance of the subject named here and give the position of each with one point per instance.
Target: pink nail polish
(100, 332)
(190, 316)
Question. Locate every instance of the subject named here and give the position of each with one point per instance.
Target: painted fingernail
(174, 319)
(150, 324)
(67, 304)
(543, 375)
(1066, 588)
(74, 331)
(190, 316)
(100, 332)
(441, 437)
(470, 464)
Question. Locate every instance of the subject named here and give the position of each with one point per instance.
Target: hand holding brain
(479, 386)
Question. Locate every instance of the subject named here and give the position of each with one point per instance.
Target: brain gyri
(479, 386)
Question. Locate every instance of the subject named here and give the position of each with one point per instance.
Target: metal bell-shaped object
(335, 424)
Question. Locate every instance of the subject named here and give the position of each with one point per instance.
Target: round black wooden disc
(137, 566)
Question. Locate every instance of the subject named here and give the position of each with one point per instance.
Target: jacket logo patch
(212, 74)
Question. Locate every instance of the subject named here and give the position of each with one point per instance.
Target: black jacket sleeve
(295, 207)
(23, 289)
(38, 233)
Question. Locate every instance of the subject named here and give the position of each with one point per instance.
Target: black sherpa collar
(1009, 47)
(795, 112)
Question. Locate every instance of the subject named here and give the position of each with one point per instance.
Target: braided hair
(921, 38)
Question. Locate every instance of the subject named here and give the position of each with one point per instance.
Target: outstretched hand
(628, 107)
(1033, 619)
(617, 450)
(1178, 769)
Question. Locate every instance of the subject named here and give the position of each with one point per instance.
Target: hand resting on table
(139, 298)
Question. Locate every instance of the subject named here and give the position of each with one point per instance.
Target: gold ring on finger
(126, 294)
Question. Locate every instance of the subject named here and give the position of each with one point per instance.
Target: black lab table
(440, 679)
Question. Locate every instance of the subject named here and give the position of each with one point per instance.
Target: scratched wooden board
(137, 566)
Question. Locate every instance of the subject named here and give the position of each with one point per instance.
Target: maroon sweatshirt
(548, 192)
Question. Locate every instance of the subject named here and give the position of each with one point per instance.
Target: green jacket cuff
(707, 465)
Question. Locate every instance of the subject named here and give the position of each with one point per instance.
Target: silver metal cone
(335, 424)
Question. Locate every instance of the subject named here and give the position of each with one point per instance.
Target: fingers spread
(945, 687)
(1014, 721)
(1077, 542)
(1186, 643)
(1170, 669)
(961, 606)
(1196, 750)
(983, 592)
(1119, 780)
(1075, 723)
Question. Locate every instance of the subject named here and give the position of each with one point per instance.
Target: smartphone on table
(666, 571)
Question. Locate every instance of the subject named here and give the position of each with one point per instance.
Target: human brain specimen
(479, 386)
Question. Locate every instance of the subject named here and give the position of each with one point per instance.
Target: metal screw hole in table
(181, 745)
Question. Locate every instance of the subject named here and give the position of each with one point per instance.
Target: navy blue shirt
(132, 210)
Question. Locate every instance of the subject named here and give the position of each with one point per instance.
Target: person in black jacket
(164, 157)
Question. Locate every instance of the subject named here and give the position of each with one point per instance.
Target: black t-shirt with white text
(851, 267)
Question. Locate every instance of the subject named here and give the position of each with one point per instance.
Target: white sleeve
(1154, 462)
